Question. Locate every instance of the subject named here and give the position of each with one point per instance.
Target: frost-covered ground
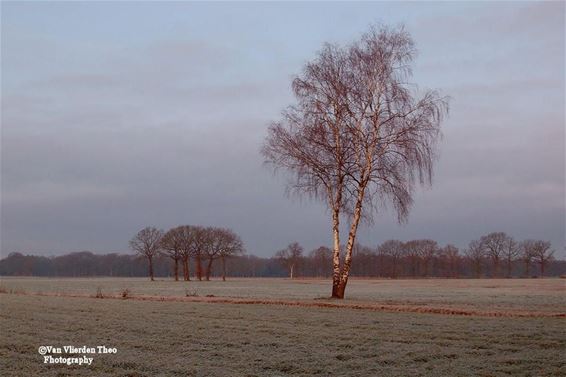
(163, 338)
(539, 295)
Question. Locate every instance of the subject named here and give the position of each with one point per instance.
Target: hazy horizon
(117, 116)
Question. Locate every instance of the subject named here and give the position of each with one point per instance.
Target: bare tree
(393, 249)
(451, 254)
(510, 252)
(365, 255)
(427, 250)
(210, 240)
(542, 254)
(231, 245)
(493, 245)
(147, 242)
(221, 243)
(192, 241)
(200, 241)
(526, 248)
(322, 257)
(476, 255)
(357, 137)
(172, 246)
(411, 250)
(187, 235)
(290, 257)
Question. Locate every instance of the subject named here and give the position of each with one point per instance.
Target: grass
(163, 337)
(546, 295)
(201, 339)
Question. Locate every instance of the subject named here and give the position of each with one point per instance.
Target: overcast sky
(116, 116)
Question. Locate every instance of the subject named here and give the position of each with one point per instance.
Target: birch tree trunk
(336, 252)
(350, 247)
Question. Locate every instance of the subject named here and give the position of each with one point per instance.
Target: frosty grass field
(279, 327)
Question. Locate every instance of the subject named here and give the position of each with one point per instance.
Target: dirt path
(328, 303)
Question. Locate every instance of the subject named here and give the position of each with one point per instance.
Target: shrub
(191, 293)
(99, 293)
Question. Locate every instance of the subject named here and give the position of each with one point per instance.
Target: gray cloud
(101, 139)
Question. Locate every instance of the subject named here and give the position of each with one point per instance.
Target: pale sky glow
(116, 116)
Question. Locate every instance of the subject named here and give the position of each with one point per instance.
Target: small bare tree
(148, 244)
(451, 254)
(527, 253)
(221, 243)
(211, 239)
(411, 251)
(427, 250)
(493, 245)
(230, 245)
(542, 254)
(476, 255)
(172, 246)
(321, 257)
(187, 237)
(393, 249)
(511, 252)
(358, 137)
(199, 242)
(290, 257)
(194, 241)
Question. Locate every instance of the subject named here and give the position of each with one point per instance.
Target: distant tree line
(493, 255)
(86, 263)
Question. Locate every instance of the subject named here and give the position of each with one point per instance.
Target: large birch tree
(360, 135)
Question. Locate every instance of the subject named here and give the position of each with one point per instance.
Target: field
(279, 327)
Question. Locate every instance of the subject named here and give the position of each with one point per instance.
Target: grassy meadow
(539, 295)
(161, 337)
